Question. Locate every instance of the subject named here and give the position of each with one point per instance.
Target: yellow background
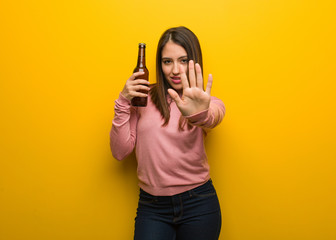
(63, 63)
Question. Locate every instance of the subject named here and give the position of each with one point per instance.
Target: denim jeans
(191, 215)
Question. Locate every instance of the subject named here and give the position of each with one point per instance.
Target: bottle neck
(141, 57)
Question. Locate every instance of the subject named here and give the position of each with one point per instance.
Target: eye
(184, 61)
(166, 61)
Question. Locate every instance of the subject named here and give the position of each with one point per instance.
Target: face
(174, 56)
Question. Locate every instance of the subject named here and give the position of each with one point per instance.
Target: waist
(200, 190)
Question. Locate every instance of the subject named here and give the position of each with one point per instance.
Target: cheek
(185, 67)
(165, 69)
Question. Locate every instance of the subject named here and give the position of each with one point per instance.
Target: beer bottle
(141, 67)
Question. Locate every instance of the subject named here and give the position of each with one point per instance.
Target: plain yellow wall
(63, 63)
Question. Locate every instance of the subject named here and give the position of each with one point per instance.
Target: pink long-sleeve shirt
(169, 161)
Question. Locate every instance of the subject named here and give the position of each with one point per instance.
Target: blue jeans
(193, 214)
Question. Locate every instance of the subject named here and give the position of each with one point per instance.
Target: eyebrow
(178, 58)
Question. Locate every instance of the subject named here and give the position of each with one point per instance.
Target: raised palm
(194, 99)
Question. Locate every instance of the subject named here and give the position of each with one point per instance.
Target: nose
(176, 69)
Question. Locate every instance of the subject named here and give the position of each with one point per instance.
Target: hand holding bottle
(133, 86)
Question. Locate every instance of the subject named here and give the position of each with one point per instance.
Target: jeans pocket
(206, 190)
(204, 195)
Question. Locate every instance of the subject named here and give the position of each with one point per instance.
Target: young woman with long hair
(177, 198)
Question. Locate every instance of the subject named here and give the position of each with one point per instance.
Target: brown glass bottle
(141, 67)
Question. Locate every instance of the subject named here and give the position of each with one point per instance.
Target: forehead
(173, 50)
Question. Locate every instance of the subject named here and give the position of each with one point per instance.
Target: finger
(184, 78)
(139, 81)
(173, 94)
(192, 78)
(209, 84)
(136, 74)
(138, 94)
(199, 76)
(140, 88)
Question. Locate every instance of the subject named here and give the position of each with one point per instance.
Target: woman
(177, 199)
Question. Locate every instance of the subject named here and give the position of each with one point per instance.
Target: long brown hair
(186, 39)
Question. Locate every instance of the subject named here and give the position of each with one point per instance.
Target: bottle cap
(142, 44)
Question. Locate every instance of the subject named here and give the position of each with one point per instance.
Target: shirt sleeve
(123, 131)
(210, 117)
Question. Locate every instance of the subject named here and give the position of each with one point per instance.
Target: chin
(177, 88)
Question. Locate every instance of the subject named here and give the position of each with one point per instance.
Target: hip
(195, 202)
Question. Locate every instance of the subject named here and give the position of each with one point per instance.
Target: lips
(176, 80)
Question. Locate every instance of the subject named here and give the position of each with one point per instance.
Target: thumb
(173, 94)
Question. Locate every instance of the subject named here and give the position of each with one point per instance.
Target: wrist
(198, 117)
(124, 99)
(125, 95)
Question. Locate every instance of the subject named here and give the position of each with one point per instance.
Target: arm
(123, 132)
